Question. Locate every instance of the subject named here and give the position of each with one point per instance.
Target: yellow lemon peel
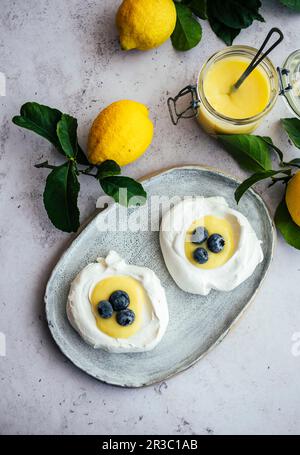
(145, 24)
(121, 132)
(292, 198)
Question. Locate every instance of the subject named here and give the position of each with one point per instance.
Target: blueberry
(105, 309)
(119, 300)
(199, 235)
(215, 243)
(200, 255)
(125, 317)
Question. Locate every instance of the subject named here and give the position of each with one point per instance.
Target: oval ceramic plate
(205, 320)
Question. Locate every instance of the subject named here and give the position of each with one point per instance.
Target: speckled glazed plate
(192, 332)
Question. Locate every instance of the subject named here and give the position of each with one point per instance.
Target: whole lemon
(145, 24)
(292, 198)
(122, 132)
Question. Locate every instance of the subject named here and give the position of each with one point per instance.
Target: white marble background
(66, 55)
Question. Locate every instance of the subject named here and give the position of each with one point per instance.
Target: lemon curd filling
(214, 225)
(250, 99)
(137, 296)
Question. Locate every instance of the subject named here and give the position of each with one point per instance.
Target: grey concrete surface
(66, 55)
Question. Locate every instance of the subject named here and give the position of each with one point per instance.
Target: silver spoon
(257, 58)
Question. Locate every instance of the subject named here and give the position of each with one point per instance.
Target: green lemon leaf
(243, 187)
(295, 162)
(289, 230)
(43, 121)
(228, 17)
(269, 141)
(236, 14)
(60, 197)
(251, 152)
(67, 134)
(198, 7)
(123, 190)
(66, 130)
(188, 31)
(293, 4)
(226, 34)
(40, 119)
(107, 169)
(292, 127)
(81, 157)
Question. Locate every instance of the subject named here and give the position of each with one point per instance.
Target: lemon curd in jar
(223, 110)
(250, 99)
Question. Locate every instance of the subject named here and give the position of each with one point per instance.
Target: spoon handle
(258, 58)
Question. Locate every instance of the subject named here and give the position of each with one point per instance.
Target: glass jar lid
(290, 75)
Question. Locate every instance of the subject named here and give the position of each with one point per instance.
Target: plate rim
(90, 219)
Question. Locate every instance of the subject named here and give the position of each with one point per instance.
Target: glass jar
(290, 82)
(280, 81)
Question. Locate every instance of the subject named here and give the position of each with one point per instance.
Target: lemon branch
(46, 165)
